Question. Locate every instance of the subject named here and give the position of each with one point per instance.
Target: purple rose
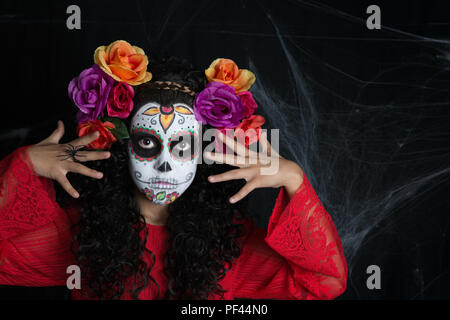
(219, 106)
(90, 91)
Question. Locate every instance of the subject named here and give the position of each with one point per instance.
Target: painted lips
(159, 183)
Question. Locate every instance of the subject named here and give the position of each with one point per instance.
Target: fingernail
(232, 200)
(75, 195)
(107, 154)
(99, 174)
(211, 178)
(207, 154)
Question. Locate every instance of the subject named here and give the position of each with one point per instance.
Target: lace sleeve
(27, 201)
(35, 232)
(300, 256)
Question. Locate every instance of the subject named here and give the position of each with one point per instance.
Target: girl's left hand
(251, 166)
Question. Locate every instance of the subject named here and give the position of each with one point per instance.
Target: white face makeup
(163, 150)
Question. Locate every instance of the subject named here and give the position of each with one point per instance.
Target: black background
(364, 112)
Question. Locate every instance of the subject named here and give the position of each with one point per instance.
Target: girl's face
(163, 150)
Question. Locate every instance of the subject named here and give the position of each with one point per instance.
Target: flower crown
(225, 103)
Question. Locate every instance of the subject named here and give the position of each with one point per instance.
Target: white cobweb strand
(352, 180)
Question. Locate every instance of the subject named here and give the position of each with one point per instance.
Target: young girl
(147, 220)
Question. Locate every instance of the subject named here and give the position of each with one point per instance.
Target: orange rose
(123, 62)
(106, 138)
(226, 71)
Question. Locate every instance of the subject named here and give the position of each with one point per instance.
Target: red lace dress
(299, 257)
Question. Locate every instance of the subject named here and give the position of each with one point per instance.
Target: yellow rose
(123, 62)
(226, 71)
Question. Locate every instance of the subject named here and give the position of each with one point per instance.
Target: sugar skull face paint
(163, 150)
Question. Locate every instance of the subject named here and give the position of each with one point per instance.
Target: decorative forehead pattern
(165, 117)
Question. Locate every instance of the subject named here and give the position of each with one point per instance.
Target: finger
(231, 175)
(81, 169)
(245, 190)
(237, 147)
(65, 184)
(232, 160)
(85, 140)
(56, 135)
(84, 156)
(264, 156)
(266, 144)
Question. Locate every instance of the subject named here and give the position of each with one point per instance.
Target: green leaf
(160, 195)
(120, 131)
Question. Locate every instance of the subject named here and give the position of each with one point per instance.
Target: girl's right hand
(50, 159)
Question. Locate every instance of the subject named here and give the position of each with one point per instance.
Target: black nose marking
(164, 167)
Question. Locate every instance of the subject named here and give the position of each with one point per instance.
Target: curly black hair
(203, 226)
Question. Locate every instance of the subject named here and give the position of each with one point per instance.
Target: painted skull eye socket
(184, 147)
(146, 145)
